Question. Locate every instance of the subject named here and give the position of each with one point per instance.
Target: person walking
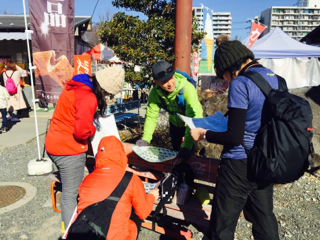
(171, 89)
(133, 206)
(4, 97)
(235, 190)
(16, 101)
(72, 126)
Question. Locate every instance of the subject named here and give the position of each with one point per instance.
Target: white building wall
(221, 21)
(295, 21)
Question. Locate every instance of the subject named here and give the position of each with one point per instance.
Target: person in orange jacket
(134, 205)
(72, 126)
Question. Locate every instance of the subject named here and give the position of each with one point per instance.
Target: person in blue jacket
(235, 191)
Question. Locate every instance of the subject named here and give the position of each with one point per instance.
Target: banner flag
(207, 44)
(52, 23)
(195, 63)
(256, 30)
(82, 64)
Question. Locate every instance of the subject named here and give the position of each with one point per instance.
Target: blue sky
(240, 10)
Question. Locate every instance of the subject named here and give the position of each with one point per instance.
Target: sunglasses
(163, 73)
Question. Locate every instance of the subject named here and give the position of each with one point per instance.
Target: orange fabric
(111, 161)
(71, 124)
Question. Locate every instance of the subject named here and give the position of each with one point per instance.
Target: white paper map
(154, 154)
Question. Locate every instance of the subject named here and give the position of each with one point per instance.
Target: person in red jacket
(71, 127)
(111, 162)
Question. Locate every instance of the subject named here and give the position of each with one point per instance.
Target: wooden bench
(120, 111)
(205, 171)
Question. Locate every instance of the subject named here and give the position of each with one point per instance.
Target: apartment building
(296, 21)
(221, 21)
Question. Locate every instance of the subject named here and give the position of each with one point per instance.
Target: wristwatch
(204, 135)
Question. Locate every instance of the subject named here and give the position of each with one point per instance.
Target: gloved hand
(184, 153)
(141, 143)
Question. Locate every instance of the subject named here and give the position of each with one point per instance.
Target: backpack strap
(260, 81)
(7, 75)
(282, 84)
(161, 206)
(122, 186)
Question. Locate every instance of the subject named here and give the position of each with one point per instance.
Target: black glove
(184, 153)
(141, 143)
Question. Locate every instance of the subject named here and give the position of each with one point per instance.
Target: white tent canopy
(296, 62)
(277, 44)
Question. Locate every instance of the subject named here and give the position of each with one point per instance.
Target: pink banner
(52, 23)
(195, 61)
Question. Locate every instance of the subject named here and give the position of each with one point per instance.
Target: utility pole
(182, 43)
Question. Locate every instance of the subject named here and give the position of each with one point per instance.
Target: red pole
(182, 43)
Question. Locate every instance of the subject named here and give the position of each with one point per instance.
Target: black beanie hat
(228, 53)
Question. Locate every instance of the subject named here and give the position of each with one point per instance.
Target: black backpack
(282, 150)
(94, 221)
(182, 172)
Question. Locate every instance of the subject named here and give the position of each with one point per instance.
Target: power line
(94, 9)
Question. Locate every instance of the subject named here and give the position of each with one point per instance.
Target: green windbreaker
(192, 108)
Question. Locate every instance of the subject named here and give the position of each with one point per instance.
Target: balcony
(221, 18)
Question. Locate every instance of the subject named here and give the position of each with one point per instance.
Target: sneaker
(46, 109)
(3, 130)
(15, 120)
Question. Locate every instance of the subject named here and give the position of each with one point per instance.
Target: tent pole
(40, 165)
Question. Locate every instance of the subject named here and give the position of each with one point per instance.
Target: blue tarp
(277, 44)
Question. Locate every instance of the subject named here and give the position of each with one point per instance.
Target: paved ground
(25, 130)
(30, 216)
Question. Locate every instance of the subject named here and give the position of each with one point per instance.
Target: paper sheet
(216, 122)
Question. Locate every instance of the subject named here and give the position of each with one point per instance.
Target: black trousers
(176, 134)
(234, 193)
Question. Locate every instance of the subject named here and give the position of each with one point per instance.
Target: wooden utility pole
(182, 43)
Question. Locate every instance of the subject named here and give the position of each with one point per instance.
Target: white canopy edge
(14, 36)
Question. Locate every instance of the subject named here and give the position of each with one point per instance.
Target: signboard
(52, 23)
(82, 64)
(207, 44)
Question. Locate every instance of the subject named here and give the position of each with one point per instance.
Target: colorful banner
(52, 23)
(207, 44)
(256, 30)
(82, 64)
(195, 64)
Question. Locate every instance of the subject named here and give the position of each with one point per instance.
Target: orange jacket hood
(111, 152)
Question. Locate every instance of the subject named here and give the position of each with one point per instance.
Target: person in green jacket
(174, 93)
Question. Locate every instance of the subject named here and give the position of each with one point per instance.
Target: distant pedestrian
(16, 101)
(221, 38)
(72, 126)
(4, 97)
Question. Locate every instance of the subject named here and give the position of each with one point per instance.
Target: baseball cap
(162, 71)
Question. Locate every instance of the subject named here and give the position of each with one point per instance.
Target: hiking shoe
(3, 130)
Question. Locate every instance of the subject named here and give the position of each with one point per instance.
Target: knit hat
(228, 53)
(111, 79)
